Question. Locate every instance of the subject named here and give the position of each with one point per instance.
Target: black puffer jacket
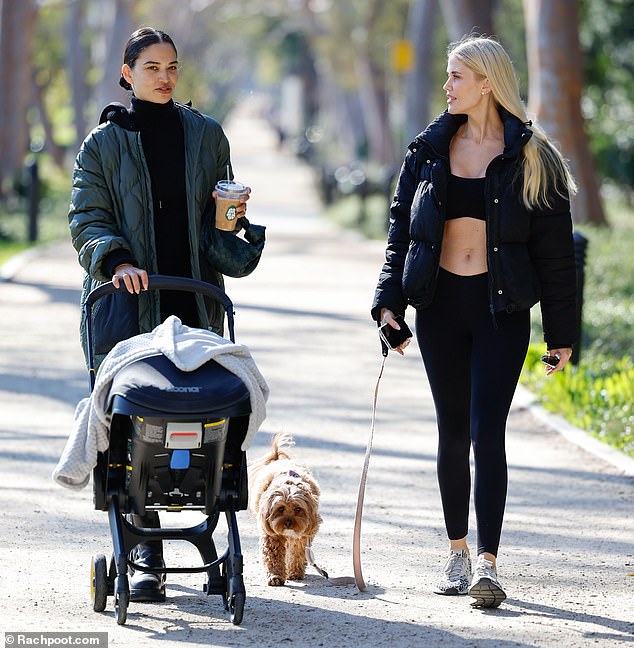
(530, 252)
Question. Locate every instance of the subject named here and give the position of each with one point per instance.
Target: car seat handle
(159, 282)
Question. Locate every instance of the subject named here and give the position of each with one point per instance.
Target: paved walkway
(567, 553)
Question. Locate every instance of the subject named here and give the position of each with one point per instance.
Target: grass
(9, 249)
(52, 223)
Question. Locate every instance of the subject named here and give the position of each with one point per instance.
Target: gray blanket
(188, 348)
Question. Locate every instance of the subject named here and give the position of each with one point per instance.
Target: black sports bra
(465, 197)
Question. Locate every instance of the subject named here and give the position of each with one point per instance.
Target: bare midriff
(464, 246)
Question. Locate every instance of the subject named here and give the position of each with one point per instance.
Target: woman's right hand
(133, 278)
(388, 317)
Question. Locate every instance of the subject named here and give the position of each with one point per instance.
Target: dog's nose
(288, 524)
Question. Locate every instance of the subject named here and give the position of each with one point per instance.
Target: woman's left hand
(241, 207)
(564, 355)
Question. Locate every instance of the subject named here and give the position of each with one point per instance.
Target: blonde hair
(545, 169)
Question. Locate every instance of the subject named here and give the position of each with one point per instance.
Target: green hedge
(596, 396)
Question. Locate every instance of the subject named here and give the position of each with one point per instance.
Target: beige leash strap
(356, 537)
(339, 580)
(310, 559)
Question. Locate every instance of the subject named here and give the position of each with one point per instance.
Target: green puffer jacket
(111, 209)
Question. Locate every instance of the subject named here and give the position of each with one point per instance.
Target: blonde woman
(480, 231)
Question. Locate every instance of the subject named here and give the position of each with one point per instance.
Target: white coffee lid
(231, 186)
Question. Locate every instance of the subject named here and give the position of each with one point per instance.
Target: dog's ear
(313, 487)
(265, 510)
(314, 520)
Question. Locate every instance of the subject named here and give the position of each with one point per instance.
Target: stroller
(174, 445)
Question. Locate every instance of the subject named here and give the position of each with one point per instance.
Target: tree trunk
(463, 17)
(374, 111)
(17, 23)
(77, 59)
(555, 86)
(117, 33)
(338, 111)
(57, 152)
(419, 83)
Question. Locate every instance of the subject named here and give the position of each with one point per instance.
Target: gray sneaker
(485, 586)
(457, 574)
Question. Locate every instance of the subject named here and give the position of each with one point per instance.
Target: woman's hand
(241, 207)
(564, 355)
(387, 317)
(133, 278)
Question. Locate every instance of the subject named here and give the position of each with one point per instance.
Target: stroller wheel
(121, 601)
(236, 607)
(98, 582)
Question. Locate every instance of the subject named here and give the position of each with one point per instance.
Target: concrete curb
(526, 399)
(9, 269)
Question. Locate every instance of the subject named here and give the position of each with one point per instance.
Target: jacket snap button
(495, 249)
(428, 161)
(495, 200)
(499, 292)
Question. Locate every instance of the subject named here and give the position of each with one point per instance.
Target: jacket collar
(122, 116)
(438, 134)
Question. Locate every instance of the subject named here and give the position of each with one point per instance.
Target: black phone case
(393, 337)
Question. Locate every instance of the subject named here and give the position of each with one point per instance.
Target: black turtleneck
(163, 141)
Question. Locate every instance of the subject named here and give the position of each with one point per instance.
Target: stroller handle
(158, 282)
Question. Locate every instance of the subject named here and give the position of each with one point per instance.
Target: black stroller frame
(186, 458)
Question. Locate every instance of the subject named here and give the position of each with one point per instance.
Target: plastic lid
(231, 186)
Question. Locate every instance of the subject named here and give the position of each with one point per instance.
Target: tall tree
(555, 87)
(117, 28)
(463, 17)
(77, 65)
(17, 20)
(419, 86)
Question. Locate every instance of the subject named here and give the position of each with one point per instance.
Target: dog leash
(339, 580)
(356, 536)
(310, 559)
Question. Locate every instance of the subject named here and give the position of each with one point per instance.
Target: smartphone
(551, 361)
(393, 337)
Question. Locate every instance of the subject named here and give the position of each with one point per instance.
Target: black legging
(473, 362)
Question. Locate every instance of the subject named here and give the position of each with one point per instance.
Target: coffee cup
(228, 195)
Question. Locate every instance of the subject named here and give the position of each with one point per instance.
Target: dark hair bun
(124, 84)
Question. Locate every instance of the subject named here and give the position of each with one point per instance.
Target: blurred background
(346, 85)
(348, 82)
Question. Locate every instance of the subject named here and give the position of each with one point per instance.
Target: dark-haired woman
(480, 231)
(142, 203)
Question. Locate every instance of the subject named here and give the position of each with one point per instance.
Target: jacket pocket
(419, 273)
(520, 283)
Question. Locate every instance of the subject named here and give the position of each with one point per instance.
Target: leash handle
(356, 536)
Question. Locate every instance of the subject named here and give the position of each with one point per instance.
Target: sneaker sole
(452, 591)
(486, 594)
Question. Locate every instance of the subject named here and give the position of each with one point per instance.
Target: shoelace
(484, 569)
(454, 565)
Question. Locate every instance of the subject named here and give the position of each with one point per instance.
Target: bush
(595, 396)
